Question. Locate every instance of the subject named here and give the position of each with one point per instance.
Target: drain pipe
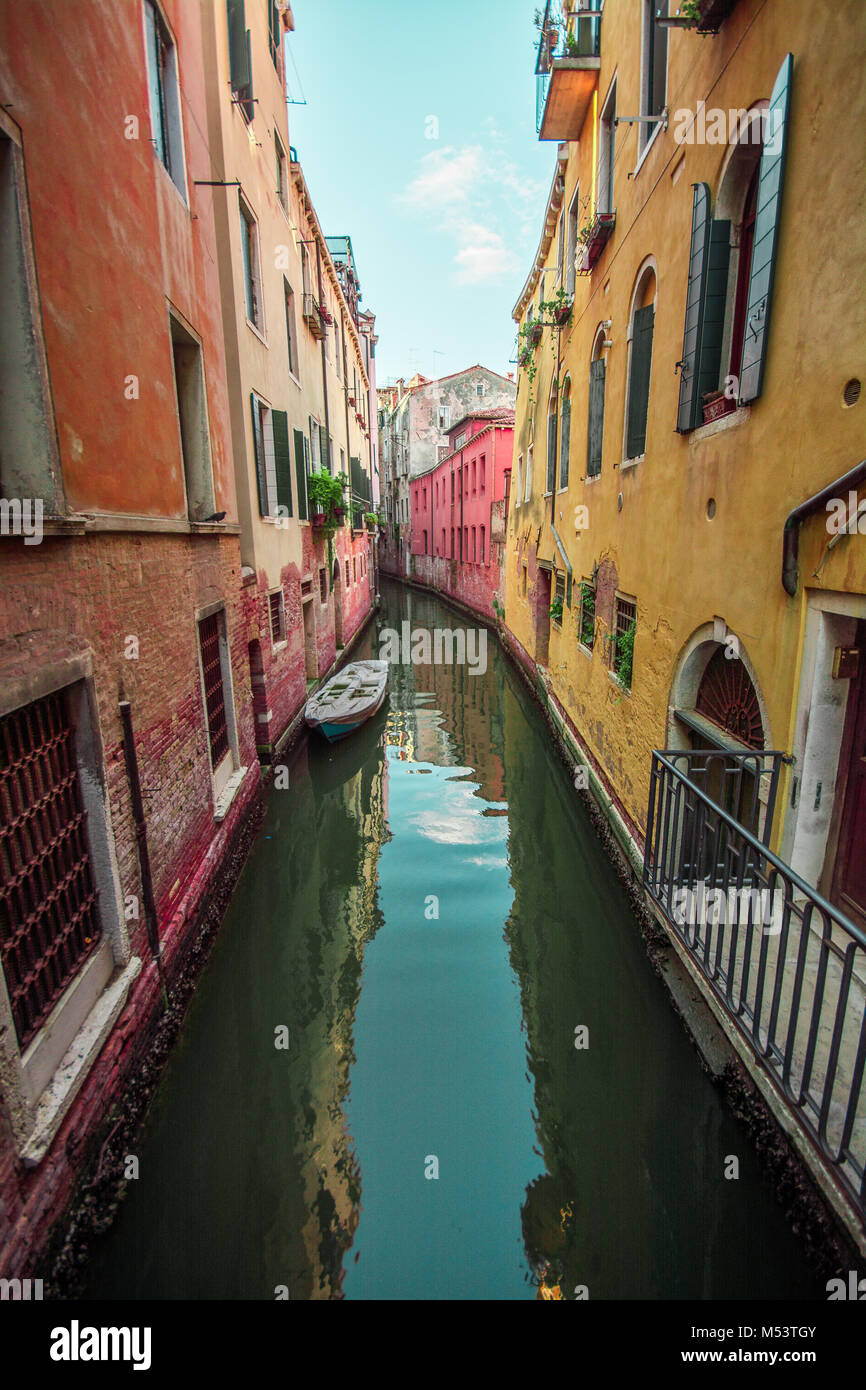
(150, 917)
(791, 532)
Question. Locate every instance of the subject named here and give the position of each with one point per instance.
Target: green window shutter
(551, 452)
(713, 316)
(595, 432)
(259, 451)
(687, 411)
(324, 451)
(638, 395)
(564, 441)
(705, 309)
(239, 49)
(301, 474)
(769, 204)
(282, 459)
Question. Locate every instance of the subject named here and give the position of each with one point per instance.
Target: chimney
(510, 376)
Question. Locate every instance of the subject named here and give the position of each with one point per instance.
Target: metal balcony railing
(787, 967)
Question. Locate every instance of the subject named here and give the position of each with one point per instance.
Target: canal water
(429, 921)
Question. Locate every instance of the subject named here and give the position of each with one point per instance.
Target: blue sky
(443, 229)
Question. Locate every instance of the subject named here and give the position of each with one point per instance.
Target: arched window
(727, 696)
(595, 424)
(641, 324)
(565, 433)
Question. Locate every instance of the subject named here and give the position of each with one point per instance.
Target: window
(189, 389)
(622, 641)
(274, 32)
(528, 488)
(29, 462)
(302, 469)
(558, 600)
(252, 271)
(482, 466)
(291, 329)
(639, 363)
(586, 615)
(48, 893)
(425, 542)
(479, 389)
(240, 59)
(519, 481)
(282, 179)
(213, 653)
(551, 439)
(655, 69)
(595, 423)
(315, 440)
(482, 545)
(277, 615)
(474, 475)
(606, 142)
(560, 248)
(165, 116)
(523, 583)
(444, 417)
(323, 585)
(271, 459)
(565, 433)
(474, 551)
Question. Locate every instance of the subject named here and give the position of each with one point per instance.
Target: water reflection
(429, 912)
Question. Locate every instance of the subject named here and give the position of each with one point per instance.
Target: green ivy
(624, 660)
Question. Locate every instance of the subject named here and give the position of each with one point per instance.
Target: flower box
(318, 519)
(594, 241)
(562, 315)
(716, 404)
(533, 336)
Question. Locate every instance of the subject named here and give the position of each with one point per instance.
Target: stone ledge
(76, 1062)
(228, 794)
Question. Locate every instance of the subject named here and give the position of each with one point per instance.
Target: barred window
(586, 620)
(622, 645)
(49, 923)
(214, 697)
(277, 613)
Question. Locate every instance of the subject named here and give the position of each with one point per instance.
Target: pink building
(458, 510)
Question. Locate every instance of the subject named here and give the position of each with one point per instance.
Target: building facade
(458, 510)
(415, 418)
(299, 387)
(685, 569)
(129, 761)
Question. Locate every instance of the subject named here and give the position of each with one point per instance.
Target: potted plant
(534, 331)
(372, 520)
(556, 610)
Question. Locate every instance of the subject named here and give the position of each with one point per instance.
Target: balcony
(566, 71)
(313, 316)
(786, 967)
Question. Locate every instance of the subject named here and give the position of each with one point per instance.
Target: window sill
(626, 464)
(733, 420)
(279, 646)
(615, 680)
(258, 332)
(223, 802)
(587, 651)
(76, 1063)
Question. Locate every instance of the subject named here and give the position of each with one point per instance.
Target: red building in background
(458, 512)
(121, 641)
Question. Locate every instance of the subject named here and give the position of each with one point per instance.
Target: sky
(417, 139)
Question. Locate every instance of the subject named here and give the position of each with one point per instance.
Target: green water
(428, 912)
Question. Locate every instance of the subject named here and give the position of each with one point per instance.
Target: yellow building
(684, 569)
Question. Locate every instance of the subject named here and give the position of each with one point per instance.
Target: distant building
(415, 420)
(458, 510)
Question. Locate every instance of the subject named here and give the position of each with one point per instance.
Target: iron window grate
(49, 923)
(209, 638)
(276, 614)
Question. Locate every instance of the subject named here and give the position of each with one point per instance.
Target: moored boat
(348, 699)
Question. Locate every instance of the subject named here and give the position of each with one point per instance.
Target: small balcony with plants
(567, 66)
(327, 505)
(313, 316)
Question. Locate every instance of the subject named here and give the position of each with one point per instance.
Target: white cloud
(483, 258)
(471, 192)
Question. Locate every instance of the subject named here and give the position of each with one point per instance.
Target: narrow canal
(430, 915)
